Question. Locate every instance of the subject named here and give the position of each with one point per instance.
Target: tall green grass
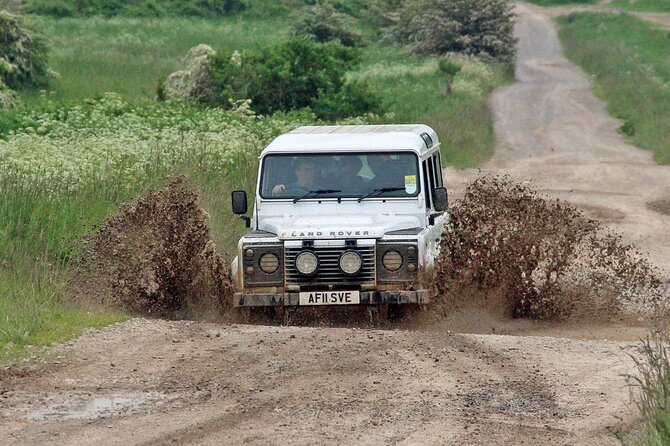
(653, 384)
(415, 91)
(128, 55)
(643, 5)
(34, 309)
(628, 59)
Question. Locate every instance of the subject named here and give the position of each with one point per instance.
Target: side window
(437, 165)
(426, 186)
(431, 177)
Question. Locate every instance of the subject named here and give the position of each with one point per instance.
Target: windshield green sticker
(410, 184)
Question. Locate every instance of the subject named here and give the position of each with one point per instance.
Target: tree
(324, 23)
(23, 54)
(474, 27)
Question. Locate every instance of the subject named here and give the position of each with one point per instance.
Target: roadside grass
(628, 59)
(415, 91)
(653, 384)
(34, 310)
(643, 5)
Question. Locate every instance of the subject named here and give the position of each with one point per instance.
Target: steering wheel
(295, 189)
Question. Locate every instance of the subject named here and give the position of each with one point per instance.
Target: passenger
(387, 172)
(305, 175)
(348, 179)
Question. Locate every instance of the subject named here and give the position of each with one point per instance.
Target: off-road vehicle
(343, 215)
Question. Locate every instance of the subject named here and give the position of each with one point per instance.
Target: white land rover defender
(343, 215)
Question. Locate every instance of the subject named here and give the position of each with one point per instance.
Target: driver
(305, 174)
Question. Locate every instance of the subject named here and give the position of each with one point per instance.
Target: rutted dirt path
(150, 382)
(553, 132)
(201, 383)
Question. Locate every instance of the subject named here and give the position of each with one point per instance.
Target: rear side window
(437, 167)
(426, 184)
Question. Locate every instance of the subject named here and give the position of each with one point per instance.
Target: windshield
(343, 175)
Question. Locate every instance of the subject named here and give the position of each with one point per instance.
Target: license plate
(330, 297)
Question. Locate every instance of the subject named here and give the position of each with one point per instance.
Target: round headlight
(306, 263)
(351, 262)
(392, 260)
(269, 263)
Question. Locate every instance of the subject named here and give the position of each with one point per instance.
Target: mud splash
(523, 255)
(154, 256)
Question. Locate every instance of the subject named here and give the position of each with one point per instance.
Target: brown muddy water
(508, 249)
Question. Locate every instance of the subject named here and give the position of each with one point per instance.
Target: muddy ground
(476, 377)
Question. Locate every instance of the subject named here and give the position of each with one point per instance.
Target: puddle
(92, 407)
(661, 206)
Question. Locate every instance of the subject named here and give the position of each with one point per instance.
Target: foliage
(562, 2)
(323, 23)
(628, 59)
(449, 67)
(643, 5)
(299, 73)
(126, 55)
(413, 87)
(139, 8)
(193, 82)
(23, 54)
(473, 27)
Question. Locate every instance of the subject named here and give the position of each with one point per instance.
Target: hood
(336, 226)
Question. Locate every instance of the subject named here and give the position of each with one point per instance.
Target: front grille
(329, 272)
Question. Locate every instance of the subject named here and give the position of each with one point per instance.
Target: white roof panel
(353, 138)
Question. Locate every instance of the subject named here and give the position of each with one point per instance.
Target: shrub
(191, 83)
(138, 8)
(449, 67)
(324, 23)
(24, 54)
(299, 73)
(473, 27)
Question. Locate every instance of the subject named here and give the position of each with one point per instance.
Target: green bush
(23, 54)
(137, 8)
(449, 67)
(324, 23)
(473, 27)
(299, 73)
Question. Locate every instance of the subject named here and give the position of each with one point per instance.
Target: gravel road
(473, 379)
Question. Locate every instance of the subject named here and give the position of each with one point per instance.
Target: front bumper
(419, 297)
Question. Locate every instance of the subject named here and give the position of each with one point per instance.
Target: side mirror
(440, 199)
(239, 198)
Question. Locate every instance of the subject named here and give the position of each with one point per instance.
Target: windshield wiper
(314, 193)
(376, 192)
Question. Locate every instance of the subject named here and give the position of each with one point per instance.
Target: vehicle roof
(351, 138)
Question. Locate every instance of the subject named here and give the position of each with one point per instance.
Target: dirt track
(203, 383)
